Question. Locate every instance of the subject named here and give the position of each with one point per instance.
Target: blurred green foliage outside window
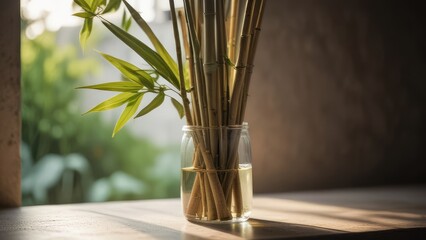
(70, 158)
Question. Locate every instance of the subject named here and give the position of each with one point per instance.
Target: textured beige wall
(10, 164)
(338, 95)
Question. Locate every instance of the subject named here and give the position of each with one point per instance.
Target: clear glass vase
(216, 180)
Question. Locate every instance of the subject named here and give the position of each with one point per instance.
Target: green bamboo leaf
(178, 107)
(153, 38)
(156, 102)
(96, 3)
(112, 5)
(130, 71)
(85, 31)
(149, 55)
(123, 21)
(113, 102)
(127, 24)
(124, 86)
(146, 77)
(127, 113)
(83, 4)
(84, 14)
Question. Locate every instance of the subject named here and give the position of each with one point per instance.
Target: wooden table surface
(367, 213)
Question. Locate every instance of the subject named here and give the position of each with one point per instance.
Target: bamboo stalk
(215, 104)
(209, 60)
(197, 193)
(188, 52)
(203, 141)
(199, 79)
(203, 202)
(218, 195)
(192, 208)
(260, 5)
(232, 37)
(195, 197)
(233, 29)
(218, 93)
(194, 40)
(210, 72)
(199, 14)
(179, 59)
(237, 197)
(214, 183)
(241, 64)
(232, 162)
(237, 96)
(198, 103)
(248, 57)
(212, 213)
(221, 56)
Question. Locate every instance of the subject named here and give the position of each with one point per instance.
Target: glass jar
(216, 179)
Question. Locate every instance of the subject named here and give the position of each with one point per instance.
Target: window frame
(10, 112)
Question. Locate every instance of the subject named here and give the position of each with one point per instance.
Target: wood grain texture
(10, 123)
(393, 213)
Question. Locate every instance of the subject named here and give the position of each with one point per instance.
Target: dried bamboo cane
(260, 5)
(197, 9)
(210, 73)
(197, 193)
(240, 66)
(222, 80)
(198, 83)
(199, 182)
(221, 56)
(179, 59)
(214, 103)
(237, 196)
(194, 200)
(232, 38)
(213, 180)
(211, 207)
(188, 52)
(223, 212)
(203, 202)
(196, 56)
(193, 204)
(236, 99)
(232, 29)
